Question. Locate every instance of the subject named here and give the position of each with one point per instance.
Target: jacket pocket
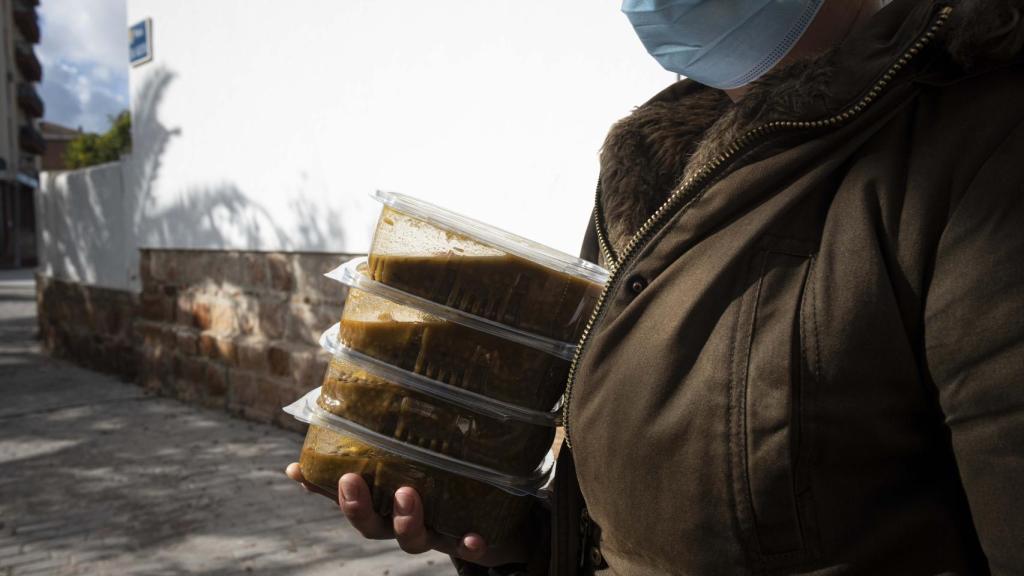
(768, 401)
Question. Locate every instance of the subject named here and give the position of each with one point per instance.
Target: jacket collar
(646, 154)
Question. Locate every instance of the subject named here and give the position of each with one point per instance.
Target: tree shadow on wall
(91, 233)
(89, 226)
(210, 216)
(150, 139)
(75, 225)
(318, 226)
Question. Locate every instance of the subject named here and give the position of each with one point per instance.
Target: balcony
(30, 140)
(30, 101)
(26, 20)
(28, 64)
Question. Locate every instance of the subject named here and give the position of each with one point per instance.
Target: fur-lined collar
(649, 152)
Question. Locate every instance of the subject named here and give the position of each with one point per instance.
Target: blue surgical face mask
(720, 43)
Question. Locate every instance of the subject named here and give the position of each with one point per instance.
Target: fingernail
(403, 503)
(471, 544)
(347, 493)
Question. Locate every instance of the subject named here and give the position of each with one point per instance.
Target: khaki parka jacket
(810, 357)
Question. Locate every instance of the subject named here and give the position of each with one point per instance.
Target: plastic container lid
(452, 394)
(350, 274)
(495, 237)
(307, 410)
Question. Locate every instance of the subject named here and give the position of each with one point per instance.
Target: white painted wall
(86, 230)
(266, 124)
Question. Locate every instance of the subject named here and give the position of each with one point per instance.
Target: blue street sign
(140, 42)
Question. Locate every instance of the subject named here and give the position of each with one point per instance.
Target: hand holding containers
(458, 497)
(449, 361)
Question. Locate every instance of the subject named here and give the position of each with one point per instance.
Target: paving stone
(23, 559)
(48, 566)
(9, 550)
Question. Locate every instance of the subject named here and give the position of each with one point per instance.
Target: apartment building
(21, 144)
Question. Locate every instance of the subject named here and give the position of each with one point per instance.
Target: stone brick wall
(88, 325)
(226, 329)
(236, 330)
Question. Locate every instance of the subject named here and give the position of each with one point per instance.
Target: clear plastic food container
(458, 497)
(462, 263)
(461, 397)
(365, 398)
(452, 505)
(448, 345)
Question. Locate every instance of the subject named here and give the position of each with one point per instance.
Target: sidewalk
(97, 477)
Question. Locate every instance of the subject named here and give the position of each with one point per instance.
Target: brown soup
(512, 447)
(463, 357)
(507, 289)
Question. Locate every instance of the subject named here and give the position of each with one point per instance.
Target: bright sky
(84, 52)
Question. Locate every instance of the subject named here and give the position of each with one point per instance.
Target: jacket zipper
(689, 188)
(611, 262)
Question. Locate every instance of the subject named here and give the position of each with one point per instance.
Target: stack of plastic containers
(448, 363)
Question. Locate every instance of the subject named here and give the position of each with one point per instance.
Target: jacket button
(637, 284)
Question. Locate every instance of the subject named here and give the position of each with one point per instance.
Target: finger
(357, 505)
(471, 548)
(408, 525)
(295, 473)
(414, 538)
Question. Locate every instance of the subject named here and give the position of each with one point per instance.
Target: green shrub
(93, 149)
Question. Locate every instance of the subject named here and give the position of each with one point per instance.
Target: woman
(817, 250)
